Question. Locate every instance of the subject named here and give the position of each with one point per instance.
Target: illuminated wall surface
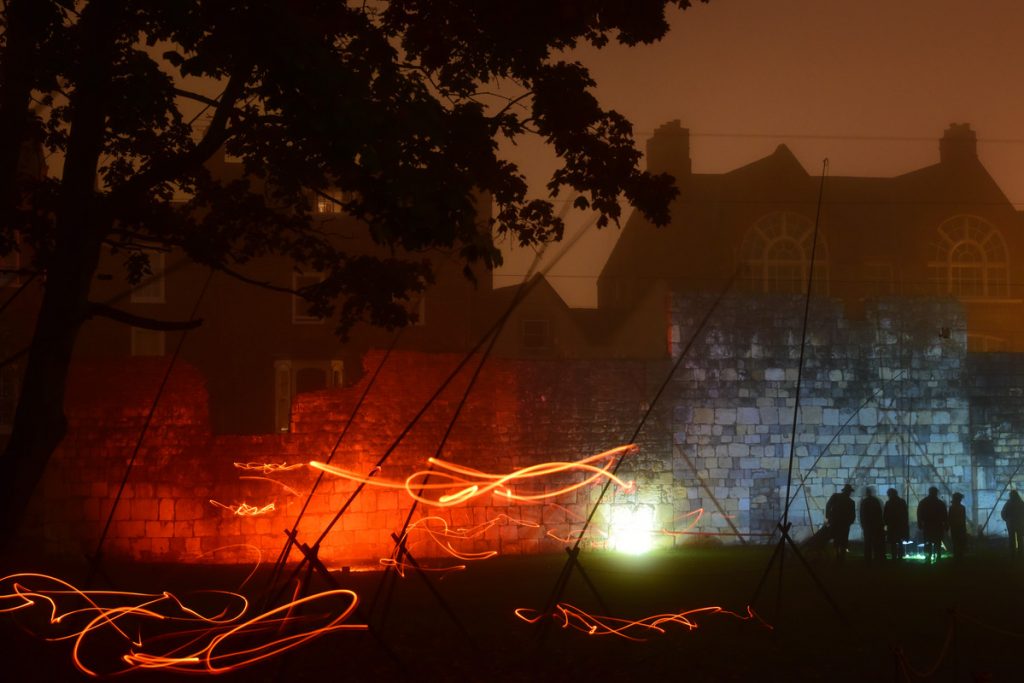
(889, 399)
(519, 413)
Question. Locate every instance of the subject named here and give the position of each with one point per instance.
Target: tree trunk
(39, 422)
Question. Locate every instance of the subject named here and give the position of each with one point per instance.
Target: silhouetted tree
(396, 103)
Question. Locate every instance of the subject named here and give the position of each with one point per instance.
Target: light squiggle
(177, 637)
(443, 534)
(268, 467)
(469, 483)
(244, 509)
(573, 535)
(573, 617)
(288, 489)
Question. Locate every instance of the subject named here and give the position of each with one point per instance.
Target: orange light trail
(287, 488)
(442, 537)
(469, 483)
(573, 617)
(694, 518)
(402, 567)
(244, 509)
(187, 640)
(571, 536)
(268, 467)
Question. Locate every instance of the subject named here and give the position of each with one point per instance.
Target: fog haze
(870, 85)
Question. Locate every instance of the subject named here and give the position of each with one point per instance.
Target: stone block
(159, 529)
(166, 510)
(868, 416)
(810, 415)
(703, 416)
(188, 510)
(738, 450)
(725, 416)
(748, 416)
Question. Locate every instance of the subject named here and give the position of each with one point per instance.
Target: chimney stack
(958, 144)
(668, 151)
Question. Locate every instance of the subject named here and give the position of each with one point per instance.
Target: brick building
(943, 230)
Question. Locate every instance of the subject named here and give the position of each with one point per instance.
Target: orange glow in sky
(871, 85)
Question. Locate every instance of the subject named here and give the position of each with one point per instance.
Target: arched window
(970, 259)
(776, 254)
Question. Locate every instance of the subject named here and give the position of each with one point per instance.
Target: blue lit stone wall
(995, 386)
(883, 403)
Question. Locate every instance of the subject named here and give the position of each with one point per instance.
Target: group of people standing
(889, 524)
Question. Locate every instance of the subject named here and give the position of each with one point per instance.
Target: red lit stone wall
(518, 413)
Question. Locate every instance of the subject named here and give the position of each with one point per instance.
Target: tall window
(300, 307)
(330, 200)
(776, 255)
(416, 305)
(148, 342)
(293, 377)
(9, 265)
(150, 289)
(536, 334)
(970, 259)
(8, 396)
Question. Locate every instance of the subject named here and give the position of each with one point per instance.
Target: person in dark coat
(897, 523)
(840, 512)
(1013, 515)
(873, 526)
(932, 520)
(958, 526)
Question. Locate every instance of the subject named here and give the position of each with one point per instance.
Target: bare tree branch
(105, 311)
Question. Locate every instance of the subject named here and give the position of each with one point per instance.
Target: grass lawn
(891, 622)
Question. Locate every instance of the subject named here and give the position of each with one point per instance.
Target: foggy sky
(746, 75)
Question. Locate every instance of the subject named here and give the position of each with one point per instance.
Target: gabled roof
(781, 161)
(771, 179)
(779, 182)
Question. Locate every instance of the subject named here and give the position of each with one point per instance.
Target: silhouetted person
(872, 525)
(1013, 515)
(841, 513)
(896, 516)
(958, 526)
(932, 520)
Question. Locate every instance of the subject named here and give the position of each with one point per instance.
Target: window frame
(981, 241)
(156, 279)
(299, 316)
(765, 236)
(12, 278)
(526, 334)
(136, 346)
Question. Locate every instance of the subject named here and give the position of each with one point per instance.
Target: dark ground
(962, 620)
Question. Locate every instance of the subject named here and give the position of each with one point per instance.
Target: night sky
(871, 85)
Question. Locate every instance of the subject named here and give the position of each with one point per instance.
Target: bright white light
(632, 529)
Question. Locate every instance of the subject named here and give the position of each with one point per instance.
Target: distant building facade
(946, 230)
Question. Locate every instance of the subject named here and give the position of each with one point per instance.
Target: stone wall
(995, 388)
(888, 400)
(182, 498)
(882, 404)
